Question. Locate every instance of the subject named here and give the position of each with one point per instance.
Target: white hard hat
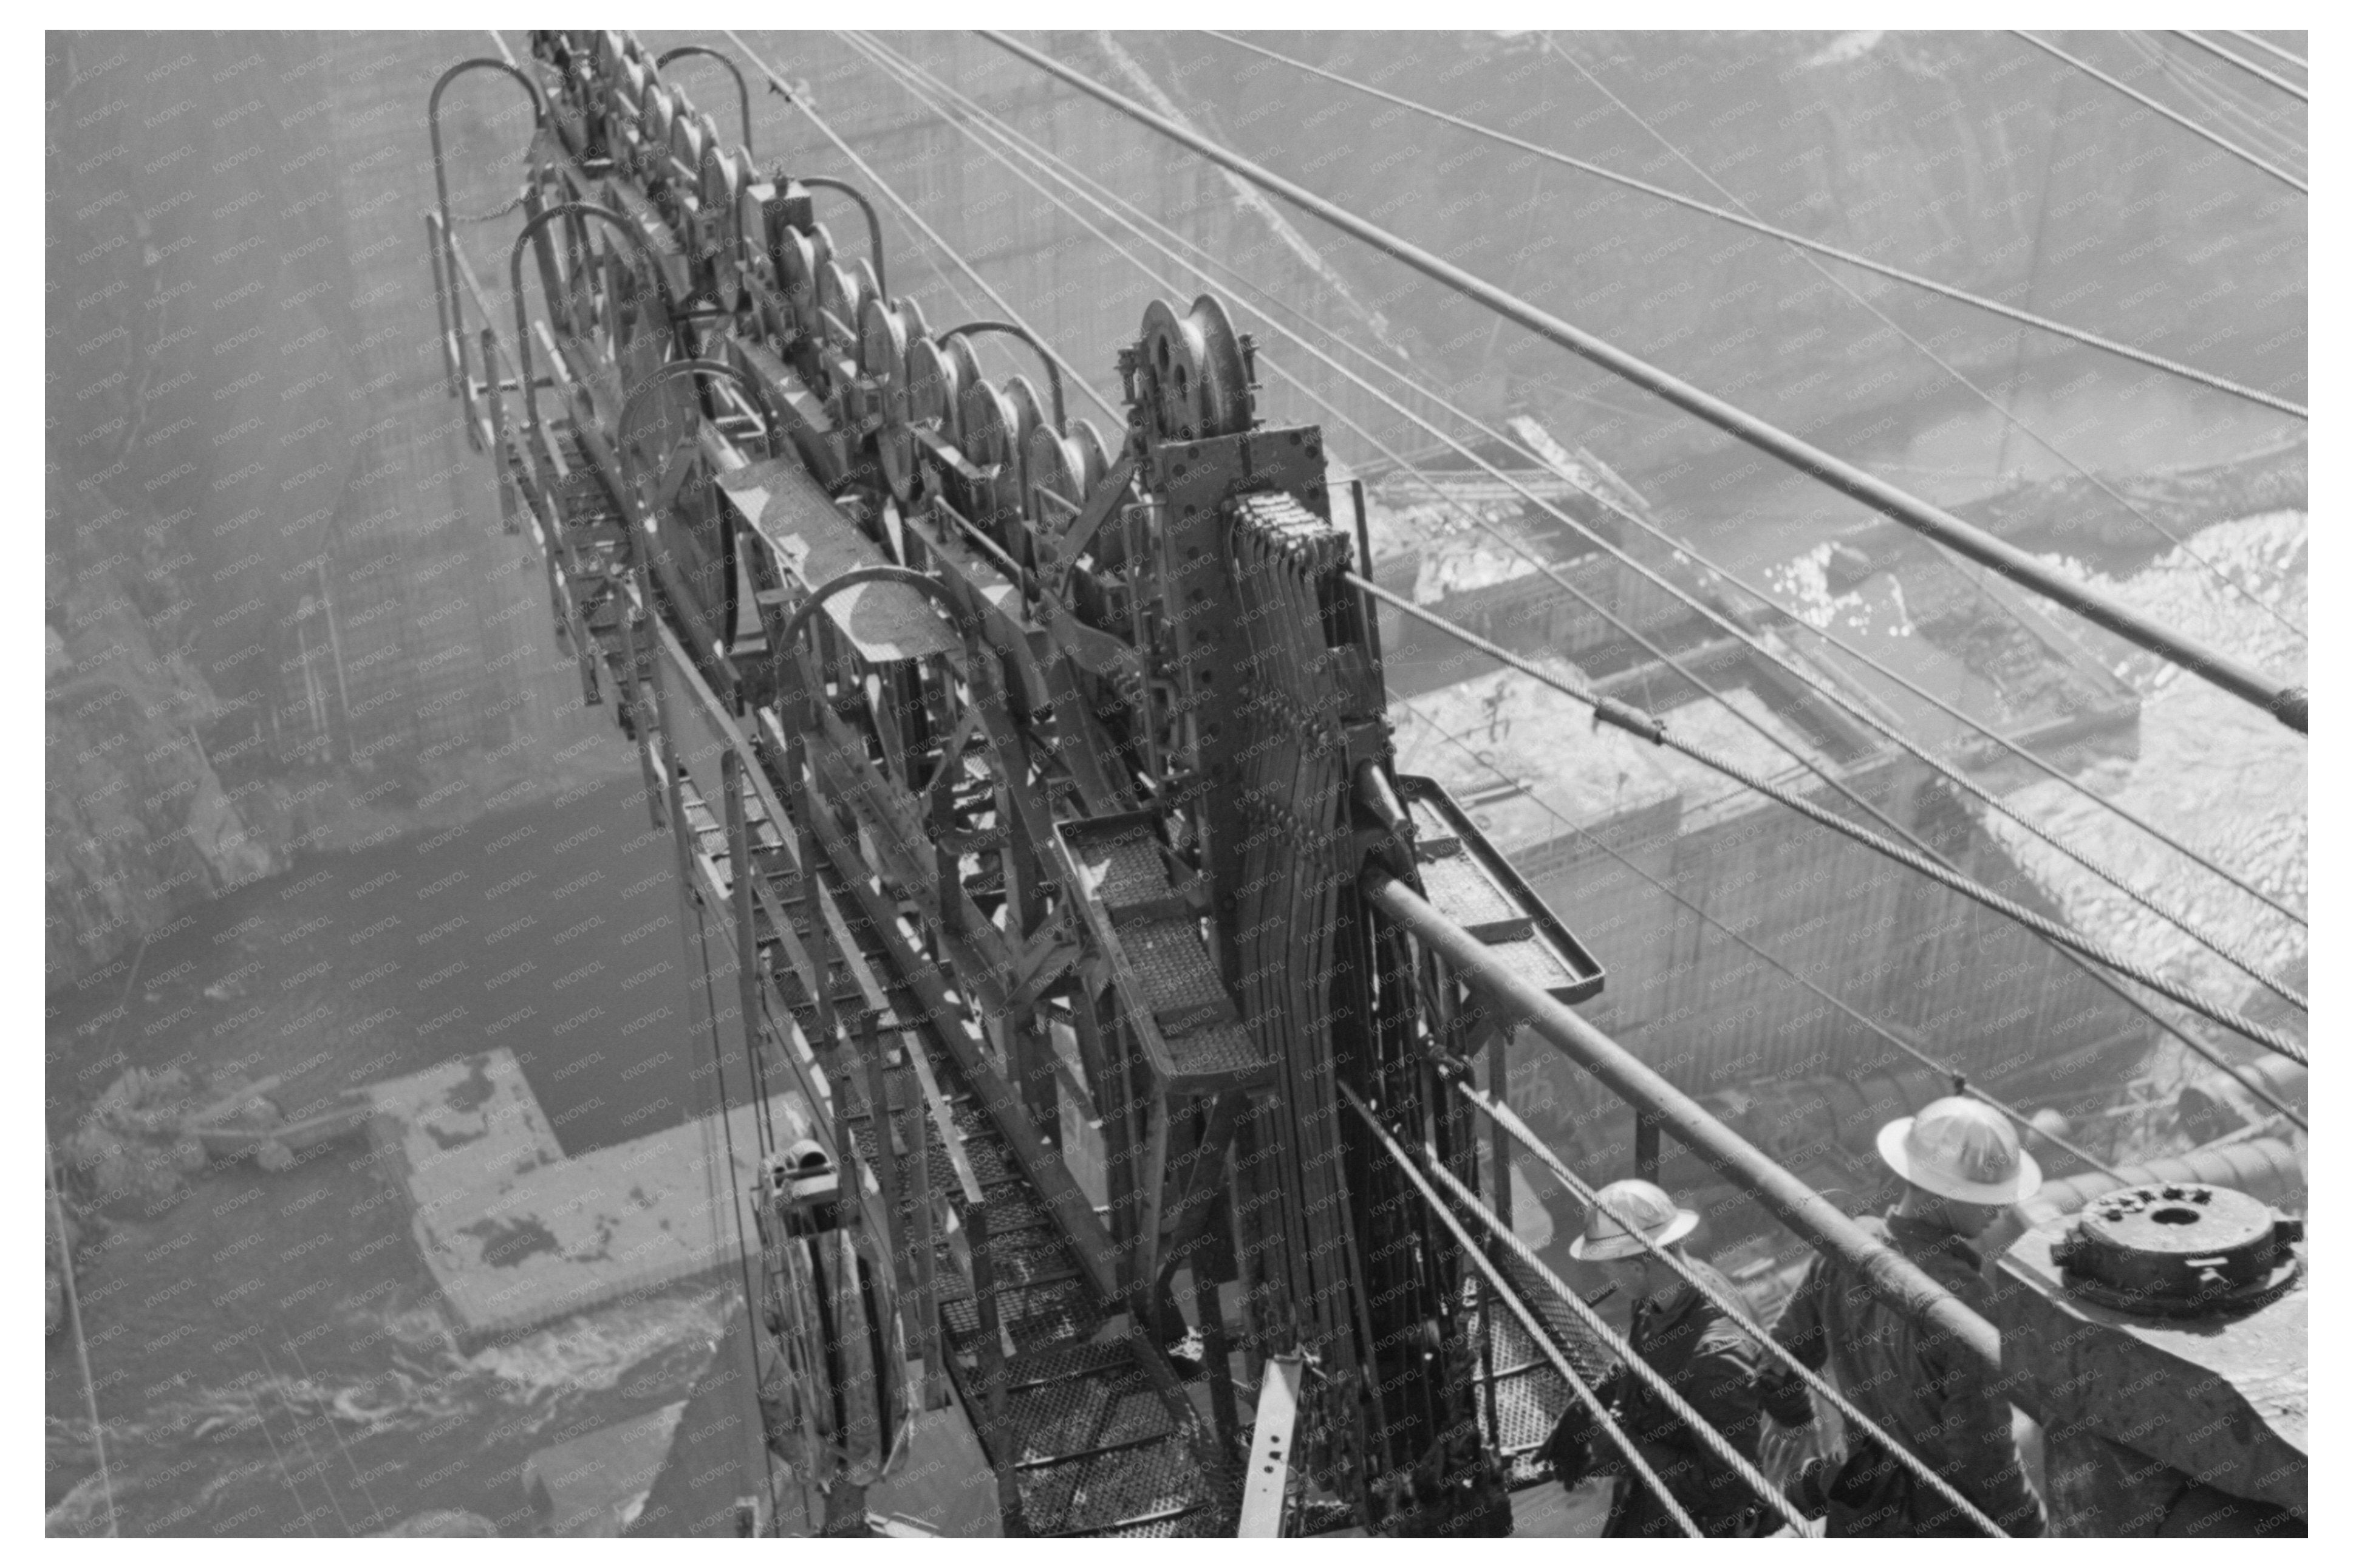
(1647, 1205)
(1957, 1148)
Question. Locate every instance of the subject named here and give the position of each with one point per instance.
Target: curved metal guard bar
(441, 173)
(743, 93)
(1053, 370)
(433, 117)
(514, 282)
(873, 225)
(667, 373)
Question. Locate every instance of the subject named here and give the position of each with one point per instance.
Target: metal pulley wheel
(1056, 467)
(883, 359)
(932, 392)
(1199, 384)
(839, 294)
(1028, 416)
(2179, 1251)
(1094, 458)
(991, 425)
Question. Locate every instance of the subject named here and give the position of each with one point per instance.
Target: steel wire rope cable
(1654, 729)
(2214, 89)
(1604, 499)
(318, 1466)
(1836, 783)
(928, 232)
(2024, 1122)
(2211, 93)
(80, 1340)
(2211, 48)
(1933, 357)
(2290, 705)
(727, 1131)
(1635, 1366)
(2040, 323)
(1654, 649)
(2128, 999)
(1540, 1334)
(1710, 1437)
(376, 1513)
(2271, 48)
(2146, 101)
(1502, 1115)
(1472, 639)
(1049, 161)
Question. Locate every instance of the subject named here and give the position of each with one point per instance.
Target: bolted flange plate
(2179, 1250)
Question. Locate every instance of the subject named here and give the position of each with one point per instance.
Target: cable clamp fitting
(1633, 720)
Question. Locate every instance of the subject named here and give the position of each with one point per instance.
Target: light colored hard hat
(1957, 1148)
(1647, 1205)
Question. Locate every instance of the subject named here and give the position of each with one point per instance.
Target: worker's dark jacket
(1919, 1386)
(1704, 1355)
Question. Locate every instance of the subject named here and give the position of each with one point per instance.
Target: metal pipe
(2289, 704)
(2221, 1103)
(1887, 1273)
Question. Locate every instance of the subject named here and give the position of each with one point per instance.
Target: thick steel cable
(1537, 1331)
(2219, 52)
(1654, 649)
(2182, 120)
(1714, 1441)
(2291, 705)
(1636, 1367)
(2210, 92)
(1943, 1070)
(916, 219)
(2211, 48)
(1502, 1116)
(1047, 161)
(80, 1338)
(2298, 61)
(1995, 307)
(1654, 729)
(1937, 358)
(1837, 784)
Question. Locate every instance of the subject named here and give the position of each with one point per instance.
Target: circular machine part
(2179, 1250)
(932, 388)
(1094, 456)
(883, 356)
(1199, 384)
(991, 426)
(1057, 466)
(1028, 417)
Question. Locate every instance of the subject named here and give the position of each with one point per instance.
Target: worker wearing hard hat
(1703, 1354)
(1962, 1168)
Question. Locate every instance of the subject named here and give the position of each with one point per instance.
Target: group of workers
(1961, 1167)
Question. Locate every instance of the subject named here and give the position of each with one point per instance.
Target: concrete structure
(518, 1233)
